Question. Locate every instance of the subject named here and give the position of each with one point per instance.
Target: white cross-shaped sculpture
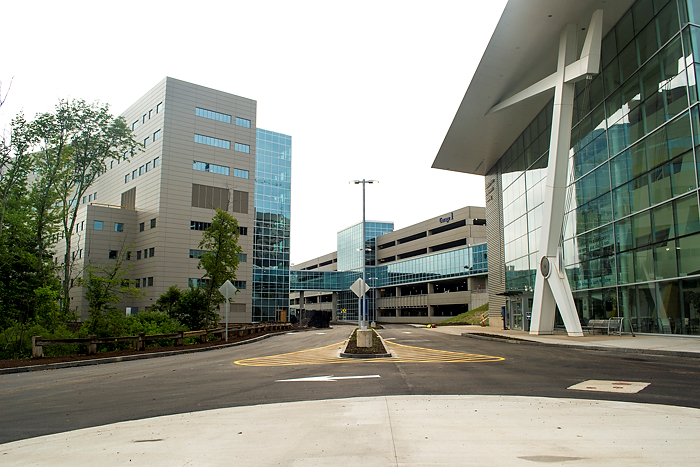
(552, 286)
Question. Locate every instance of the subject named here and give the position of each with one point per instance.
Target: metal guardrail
(142, 339)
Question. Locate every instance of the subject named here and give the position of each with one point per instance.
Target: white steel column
(551, 285)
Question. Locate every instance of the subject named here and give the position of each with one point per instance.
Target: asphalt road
(39, 403)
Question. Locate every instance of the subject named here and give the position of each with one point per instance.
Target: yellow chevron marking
(402, 354)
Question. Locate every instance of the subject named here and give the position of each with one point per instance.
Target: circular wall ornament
(545, 267)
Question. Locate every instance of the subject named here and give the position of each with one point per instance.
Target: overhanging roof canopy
(523, 49)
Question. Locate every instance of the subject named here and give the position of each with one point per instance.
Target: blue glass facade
(631, 235)
(273, 169)
(350, 244)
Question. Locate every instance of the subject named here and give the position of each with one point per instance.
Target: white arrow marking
(327, 378)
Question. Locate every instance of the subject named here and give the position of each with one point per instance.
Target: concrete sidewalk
(681, 346)
(385, 431)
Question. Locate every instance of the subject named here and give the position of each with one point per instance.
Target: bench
(607, 325)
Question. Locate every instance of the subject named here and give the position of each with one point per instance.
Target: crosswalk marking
(401, 354)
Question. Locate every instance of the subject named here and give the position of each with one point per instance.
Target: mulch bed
(377, 346)
(120, 353)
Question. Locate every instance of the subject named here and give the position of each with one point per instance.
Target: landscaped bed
(376, 349)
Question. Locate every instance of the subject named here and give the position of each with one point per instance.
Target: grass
(469, 317)
(377, 346)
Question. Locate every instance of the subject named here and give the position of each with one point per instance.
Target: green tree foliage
(189, 307)
(104, 287)
(220, 261)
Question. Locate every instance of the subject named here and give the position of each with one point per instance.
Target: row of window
(142, 170)
(196, 254)
(147, 116)
(90, 198)
(147, 282)
(196, 225)
(142, 225)
(156, 137)
(244, 122)
(192, 282)
(219, 169)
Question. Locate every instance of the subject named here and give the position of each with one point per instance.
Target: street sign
(356, 287)
(227, 290)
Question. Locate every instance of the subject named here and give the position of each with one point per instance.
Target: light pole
(360, 322)
(375, 295)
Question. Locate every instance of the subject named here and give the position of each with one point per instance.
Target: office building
(423, 273)
(202, 151)
(628, 237)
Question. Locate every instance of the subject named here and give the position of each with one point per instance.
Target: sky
(366, 89)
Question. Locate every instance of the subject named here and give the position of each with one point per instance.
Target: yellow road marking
(402, 353)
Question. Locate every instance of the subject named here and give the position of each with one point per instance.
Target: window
(242, 230)
(128, 256)
(151, 252)
(208, 140)
(242, 147)
(195, 225)
(82, 225)
(84, 199)
(240, 173)
(118, 227)
(197, 282)
(150, 281)
(126, 178)
(141, 226)
(97, 225)
(196, 254)
(213, 168)
(148, 166)
(134, 174)
(144, 282)
(94, 196)
(138, 255)
(213, 115)
(141, 170)
(156, 135)
(239, 284)
(89, 198)
(134, 125)
(243, 122)
(153, 223)
(156, 161)
(146, 140)
(159, 107)
(112, 254)
(137, 283)
(242, 257)
(111, 164)
(144, 118)
(145, 253)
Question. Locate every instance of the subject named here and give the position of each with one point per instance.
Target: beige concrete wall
(164, 193)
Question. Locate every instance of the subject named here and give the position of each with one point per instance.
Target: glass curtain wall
(632, 230)
(273, 169)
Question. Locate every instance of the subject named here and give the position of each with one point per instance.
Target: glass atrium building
(273, 175)
(630, 240)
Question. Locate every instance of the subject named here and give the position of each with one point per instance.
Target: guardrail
(142, 339)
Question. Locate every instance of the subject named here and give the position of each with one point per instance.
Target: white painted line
(407, 332)
(389, 338)
(320, 333)
(326, 378)
(624, 387)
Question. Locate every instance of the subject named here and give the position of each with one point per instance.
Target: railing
(142, 339)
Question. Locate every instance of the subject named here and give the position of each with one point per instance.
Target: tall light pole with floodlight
(360, 322)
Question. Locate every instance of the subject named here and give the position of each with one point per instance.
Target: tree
(220, 261)
(95, 136)
(105, 286)
(168, 301)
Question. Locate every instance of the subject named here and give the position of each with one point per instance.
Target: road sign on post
(227, 290)
(356, 287)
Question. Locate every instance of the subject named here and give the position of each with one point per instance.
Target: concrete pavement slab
(382, 431)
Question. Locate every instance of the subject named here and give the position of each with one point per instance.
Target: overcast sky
(365, 89)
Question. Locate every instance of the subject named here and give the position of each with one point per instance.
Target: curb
(126, 358)
(624, 350)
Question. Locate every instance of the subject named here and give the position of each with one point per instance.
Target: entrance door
(516, 313)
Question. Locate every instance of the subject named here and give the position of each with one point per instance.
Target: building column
(301, 304)
(334, 305)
